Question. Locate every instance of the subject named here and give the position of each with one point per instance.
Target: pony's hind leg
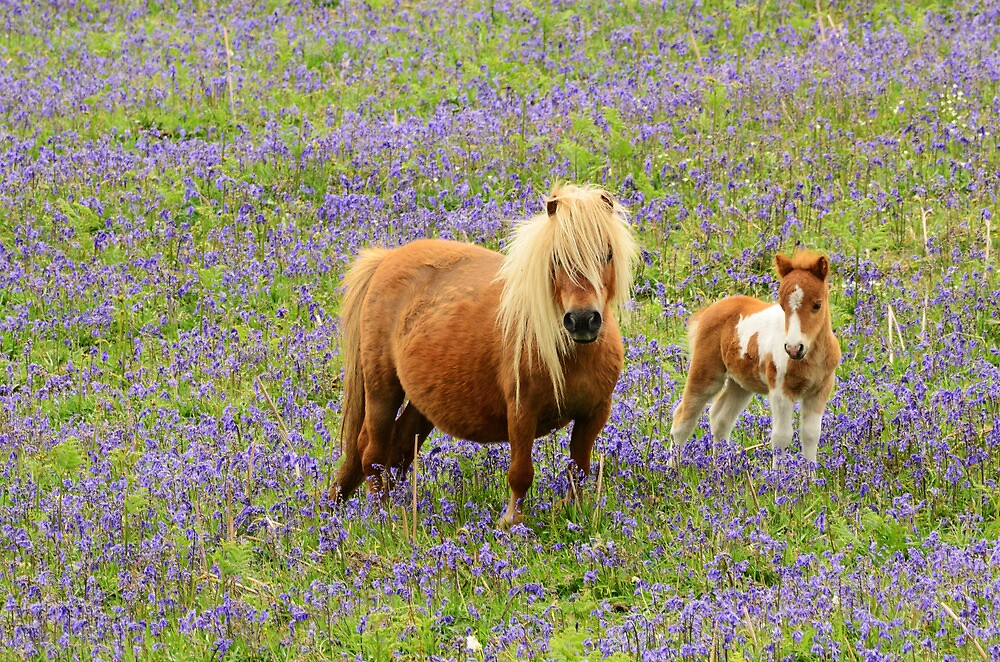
(702, 385)
(728, 406)
(381, 404)
(351, 472)
(408, 435)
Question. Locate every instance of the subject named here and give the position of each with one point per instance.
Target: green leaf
(67, 456)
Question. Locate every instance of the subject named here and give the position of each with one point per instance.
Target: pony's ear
(822, 268)
(608, 200)
(783, 264)
(550, 206)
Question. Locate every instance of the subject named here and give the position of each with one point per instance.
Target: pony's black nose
(796, 352)
(583, 325)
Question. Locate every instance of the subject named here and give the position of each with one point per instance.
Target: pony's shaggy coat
(740, 346)
(477, 343)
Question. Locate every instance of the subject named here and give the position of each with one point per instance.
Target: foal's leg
(703, 383)
(521, 432)
(811, 422)
(728, 406)
(581, 442)
(781, 423)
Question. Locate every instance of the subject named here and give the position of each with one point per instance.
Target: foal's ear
(783, 264)
(608, 200)
(550, 206)
(821, 269)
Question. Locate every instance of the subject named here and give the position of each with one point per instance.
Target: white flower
(472, 644)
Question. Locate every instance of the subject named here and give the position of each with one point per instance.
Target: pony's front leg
(581, 443)
(812, 422)
(521, 432)
(781, 424)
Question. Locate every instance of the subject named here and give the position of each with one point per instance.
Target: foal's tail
(358, 280)
(692, 329)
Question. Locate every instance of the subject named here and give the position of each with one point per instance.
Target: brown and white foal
(741, 346)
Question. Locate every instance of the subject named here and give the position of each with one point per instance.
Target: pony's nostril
(795, 351)
(583, 324)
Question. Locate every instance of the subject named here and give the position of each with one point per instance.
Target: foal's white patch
(794, 335)
(769, 327)
(795, 298)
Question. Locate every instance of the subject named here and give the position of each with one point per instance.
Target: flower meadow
(183, 185)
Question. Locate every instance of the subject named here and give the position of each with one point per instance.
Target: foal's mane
(585, 225)
(804, 259)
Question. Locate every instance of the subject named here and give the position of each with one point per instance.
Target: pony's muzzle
(583, 325)
(797, 352)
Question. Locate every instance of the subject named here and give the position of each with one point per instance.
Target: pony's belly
(466, 422)
(457, 394)
(487, 430)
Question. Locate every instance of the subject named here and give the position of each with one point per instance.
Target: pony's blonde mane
(578, 235)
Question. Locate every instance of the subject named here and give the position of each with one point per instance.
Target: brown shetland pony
(741, 346)
(486, 347)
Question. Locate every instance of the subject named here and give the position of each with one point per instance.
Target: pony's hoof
(509, 520)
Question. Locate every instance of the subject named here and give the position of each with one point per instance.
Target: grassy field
(183, 184)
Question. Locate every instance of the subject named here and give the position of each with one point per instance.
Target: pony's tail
(357, 282)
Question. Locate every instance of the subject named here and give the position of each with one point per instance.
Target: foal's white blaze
(794, 336)
(769, 327)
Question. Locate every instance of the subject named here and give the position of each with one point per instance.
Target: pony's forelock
(578, 236)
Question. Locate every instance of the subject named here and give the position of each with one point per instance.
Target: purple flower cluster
(184, 183)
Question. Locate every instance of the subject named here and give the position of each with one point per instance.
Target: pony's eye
(610, 255)
(817, 305)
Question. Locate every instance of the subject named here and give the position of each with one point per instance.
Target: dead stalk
(416, 448)
(600, 484)
(281, 421)
(229, 73)
(975, 640)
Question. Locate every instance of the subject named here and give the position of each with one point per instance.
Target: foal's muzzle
(583, 325)
(797, 352)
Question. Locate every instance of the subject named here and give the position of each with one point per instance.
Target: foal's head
(803, 296)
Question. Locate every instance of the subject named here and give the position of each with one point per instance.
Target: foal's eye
(817, 305)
